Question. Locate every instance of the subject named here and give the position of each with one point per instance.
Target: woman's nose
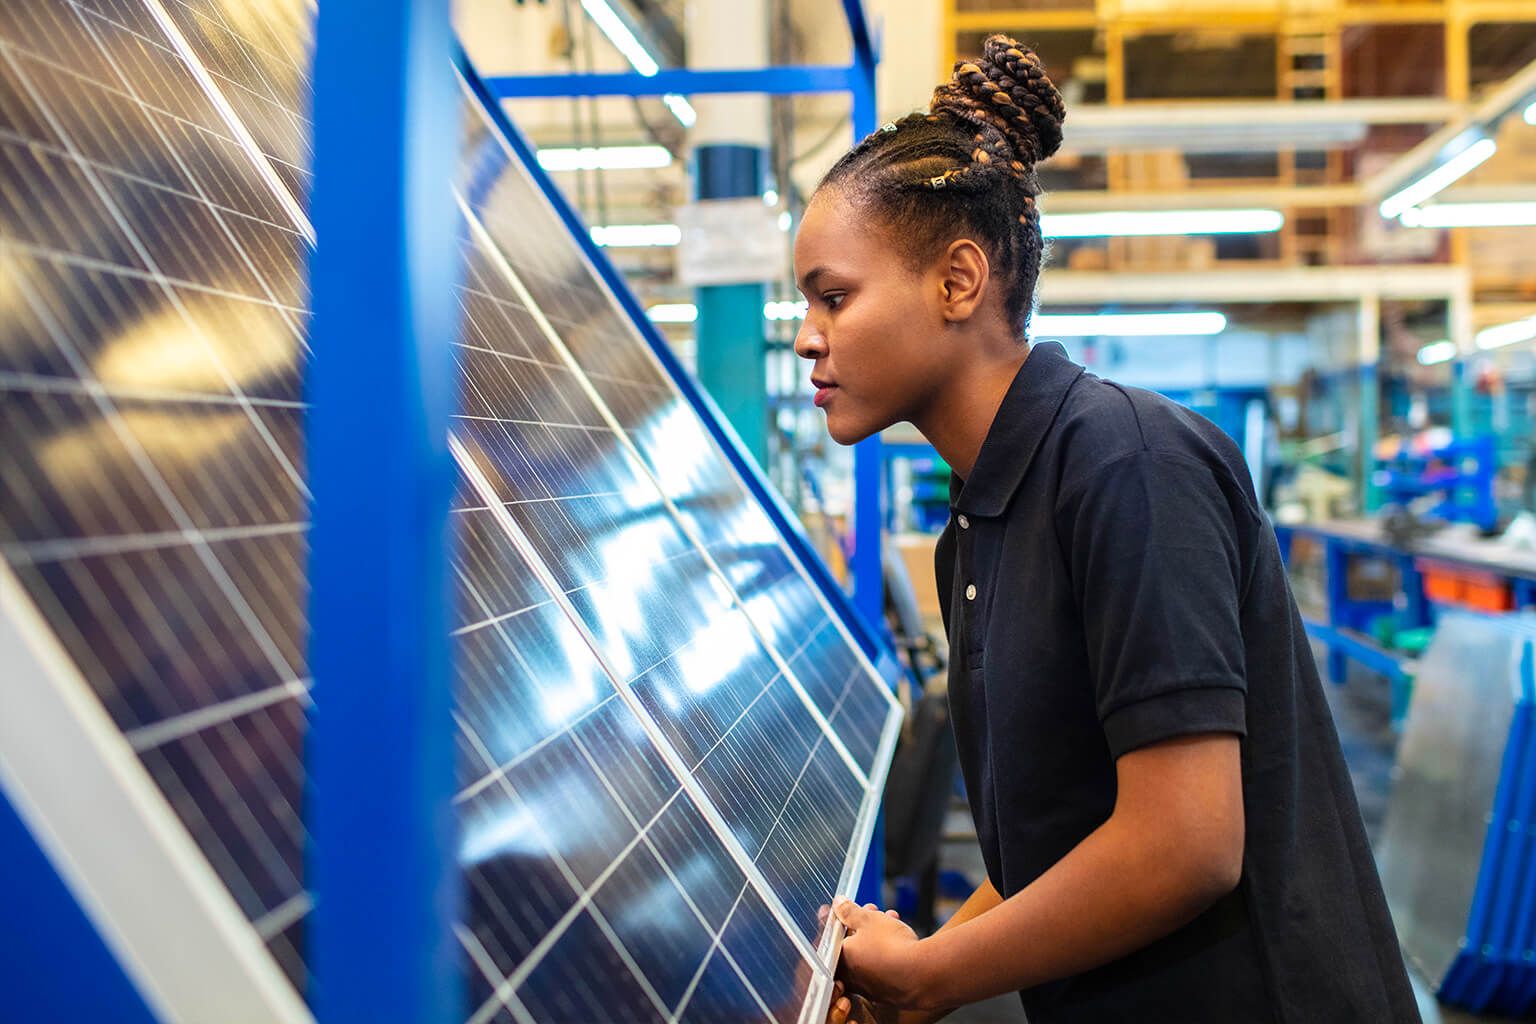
(809, 342)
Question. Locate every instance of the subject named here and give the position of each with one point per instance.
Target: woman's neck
(957, 421)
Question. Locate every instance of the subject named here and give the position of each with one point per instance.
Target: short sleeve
(1156, 570)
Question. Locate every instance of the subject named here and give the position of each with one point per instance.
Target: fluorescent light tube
(1160, 222)
(639, 58)
(1126, 325)
(604, 158)
(687, 312)
(620, 36)
(785, 310)
(1470, 215)
(681, 109)
(1436, 180)
(636, 235)
(1507, 334)
(1062, 325)
(673, 313)
(1437, 352)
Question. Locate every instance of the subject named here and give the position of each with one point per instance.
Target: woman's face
(874, 328)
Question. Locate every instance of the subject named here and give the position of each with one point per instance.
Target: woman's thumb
(848, 912)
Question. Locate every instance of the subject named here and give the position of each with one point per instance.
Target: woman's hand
(855, 1009)
(880, 956)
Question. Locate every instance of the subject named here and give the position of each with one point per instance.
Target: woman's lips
(823, 394)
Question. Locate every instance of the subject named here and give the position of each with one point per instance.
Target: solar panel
(669, 748)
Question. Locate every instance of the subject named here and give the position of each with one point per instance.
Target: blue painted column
(1460, 330)
(1336, 566)
(1369, 327)
(1461, 399)
(382, 861)
(868, 467)
(868, 458)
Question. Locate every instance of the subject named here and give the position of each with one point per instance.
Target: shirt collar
(1022, 421)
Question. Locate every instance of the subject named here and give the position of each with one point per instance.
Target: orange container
(1441, 586)
(1468, 588)
(1486, 594)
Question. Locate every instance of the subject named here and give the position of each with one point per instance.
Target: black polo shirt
(1110, 581)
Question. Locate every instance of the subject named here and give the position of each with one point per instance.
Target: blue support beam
(382, 856)
(867, 566)
(865, 46)
(777, 81)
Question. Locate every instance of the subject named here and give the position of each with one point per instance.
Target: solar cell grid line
(127, 249)
(729, 776)
(622, 787)
(556, 342)
(288, 154)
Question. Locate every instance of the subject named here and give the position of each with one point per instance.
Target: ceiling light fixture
(1160, 222)
(1126, 325)
(1470, 215)
(1437, 352)
(673, 313)
(1507, 334)
(605, 158)
(625, 41)
(627, 236)
(1439, 178)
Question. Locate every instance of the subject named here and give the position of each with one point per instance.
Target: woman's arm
(1171, 848)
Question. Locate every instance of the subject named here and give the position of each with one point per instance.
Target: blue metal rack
(382, 854)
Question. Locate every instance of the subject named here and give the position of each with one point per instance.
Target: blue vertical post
(868, 459)
(382, 862)
(1370, 428)
(1461, 399)
(1336, 566)
(1411, 585)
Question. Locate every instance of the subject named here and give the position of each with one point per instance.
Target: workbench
(1343, 623)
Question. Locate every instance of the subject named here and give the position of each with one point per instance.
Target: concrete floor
(1361, 711)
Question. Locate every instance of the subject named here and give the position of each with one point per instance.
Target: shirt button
(970, 592)
(965, 524)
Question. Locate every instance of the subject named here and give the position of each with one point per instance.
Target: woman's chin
(847, 432)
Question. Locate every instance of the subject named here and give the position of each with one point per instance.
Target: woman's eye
(833, 301)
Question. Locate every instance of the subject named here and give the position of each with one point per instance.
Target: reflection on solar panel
(669, 747)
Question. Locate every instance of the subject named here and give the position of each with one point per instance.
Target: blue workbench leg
(1524, 592)
(1336, 563)
(1411, 585)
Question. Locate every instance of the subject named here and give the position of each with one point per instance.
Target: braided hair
(965, 168)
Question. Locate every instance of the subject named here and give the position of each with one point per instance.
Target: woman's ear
(965, 274)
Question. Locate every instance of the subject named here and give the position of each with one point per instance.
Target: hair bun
(1007, 89)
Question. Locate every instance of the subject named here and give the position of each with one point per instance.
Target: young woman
(1167, 822)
